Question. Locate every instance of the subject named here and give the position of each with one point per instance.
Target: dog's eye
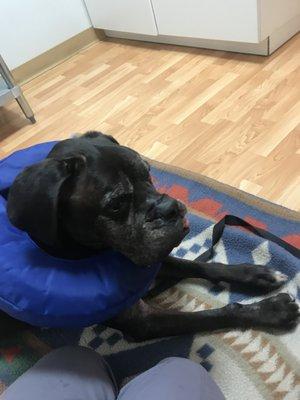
(115, 204)
(119, 204)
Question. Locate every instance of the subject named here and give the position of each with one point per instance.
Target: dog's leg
(250, 276)
(144, 322)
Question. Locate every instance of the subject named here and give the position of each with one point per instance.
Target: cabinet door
(135, 16)
(235, 20)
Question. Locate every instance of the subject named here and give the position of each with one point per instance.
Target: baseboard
(99, 33)
(284, 33)
(261, 48)
(56, 55)
(71, 46)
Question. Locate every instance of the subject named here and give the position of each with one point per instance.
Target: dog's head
(98, 194)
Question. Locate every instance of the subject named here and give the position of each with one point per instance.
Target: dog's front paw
(280, 312)
(260, 277)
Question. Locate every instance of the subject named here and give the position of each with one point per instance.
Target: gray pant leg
(172, 379)
(68, 373)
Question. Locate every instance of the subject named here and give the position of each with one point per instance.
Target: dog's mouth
(184, 219)
(186, 224)
(185, 229)
(180, 222)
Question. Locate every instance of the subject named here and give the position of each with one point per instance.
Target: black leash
(232, 220)
(218, 229)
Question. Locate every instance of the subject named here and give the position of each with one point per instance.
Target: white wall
(29, 28)
(281, 13)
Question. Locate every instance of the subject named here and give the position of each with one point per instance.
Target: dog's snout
(167, 208)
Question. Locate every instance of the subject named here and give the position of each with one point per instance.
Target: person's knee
(70, 372)
(173, 378)
(72, 357)
(182, 363)
(71, 352)
(183, 368)
(193, 376)
(75, 352)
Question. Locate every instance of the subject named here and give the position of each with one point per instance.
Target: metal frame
(9, 90)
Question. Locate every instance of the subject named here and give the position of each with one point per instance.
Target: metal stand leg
(16, 90)
(25, 107)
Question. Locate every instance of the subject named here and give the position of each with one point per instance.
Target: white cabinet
(251, 26)
(135, 16)
(234, 20)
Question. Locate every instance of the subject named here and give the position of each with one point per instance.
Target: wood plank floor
(232, 117)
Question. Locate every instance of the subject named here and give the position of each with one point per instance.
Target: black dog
(91, 193)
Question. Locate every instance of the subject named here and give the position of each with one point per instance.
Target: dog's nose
(167, 208)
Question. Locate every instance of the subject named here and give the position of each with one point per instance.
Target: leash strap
(218, 229)
(232, 220)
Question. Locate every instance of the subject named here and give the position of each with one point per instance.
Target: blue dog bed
(44, 290)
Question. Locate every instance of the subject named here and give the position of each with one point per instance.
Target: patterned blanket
(246, 365)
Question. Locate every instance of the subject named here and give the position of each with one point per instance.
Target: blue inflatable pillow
(44, 290)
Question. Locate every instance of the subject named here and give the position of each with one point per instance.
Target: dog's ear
(112, 139)
(97, 137)
(34, 196)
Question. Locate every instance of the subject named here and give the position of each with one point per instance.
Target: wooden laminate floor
(232, 117)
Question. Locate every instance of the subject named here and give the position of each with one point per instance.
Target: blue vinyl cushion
(43, 290)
